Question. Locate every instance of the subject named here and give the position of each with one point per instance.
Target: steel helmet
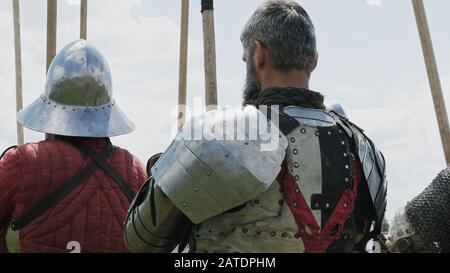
(78, 97)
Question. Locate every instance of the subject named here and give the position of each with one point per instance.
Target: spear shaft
(433, 76)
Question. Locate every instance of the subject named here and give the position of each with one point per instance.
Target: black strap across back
(98, 160)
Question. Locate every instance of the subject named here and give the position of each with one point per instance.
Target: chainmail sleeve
(429, 214)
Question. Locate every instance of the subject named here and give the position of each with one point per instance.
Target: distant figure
(424, 224)
(70, 192)
(320, 185)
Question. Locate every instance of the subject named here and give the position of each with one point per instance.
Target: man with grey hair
(323, 188)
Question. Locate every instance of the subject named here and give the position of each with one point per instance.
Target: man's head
(279, 42)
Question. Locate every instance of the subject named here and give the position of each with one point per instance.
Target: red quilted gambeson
(91, 215)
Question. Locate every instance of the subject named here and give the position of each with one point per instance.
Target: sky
(370, 61)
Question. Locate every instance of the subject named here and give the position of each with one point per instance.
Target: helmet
(78, 97)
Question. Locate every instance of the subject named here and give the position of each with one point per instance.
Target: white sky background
(370, 61)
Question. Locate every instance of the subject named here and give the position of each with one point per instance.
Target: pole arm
(433, 76)
(51, 30)
(182, 80)
(209, 47)
(83, 19)
(52, 19)
(18, 66)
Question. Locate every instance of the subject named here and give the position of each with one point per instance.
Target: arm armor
(153, 223)
(373, 164)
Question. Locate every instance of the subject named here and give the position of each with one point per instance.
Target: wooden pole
(51, 30)
(182, 81)
(52, 18)
(433, 76)
(83, 20)
(210, 54)
(18, 59)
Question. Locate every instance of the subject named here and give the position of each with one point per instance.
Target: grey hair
(286, 30)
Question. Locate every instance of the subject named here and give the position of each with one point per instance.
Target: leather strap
(50, 201)
(97, 160)
(120, 182)
(4, 152)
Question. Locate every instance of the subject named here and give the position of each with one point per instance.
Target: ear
(259, 55)
(316, 61)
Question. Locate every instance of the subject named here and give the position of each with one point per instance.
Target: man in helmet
(70, 192)
(423, 224)
(315, 183)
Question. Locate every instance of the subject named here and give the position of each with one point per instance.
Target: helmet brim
(44, 115)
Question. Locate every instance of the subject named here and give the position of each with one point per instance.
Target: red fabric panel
(315, 239)
(92, 214)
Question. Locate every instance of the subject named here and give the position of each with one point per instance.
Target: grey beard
(252, 85)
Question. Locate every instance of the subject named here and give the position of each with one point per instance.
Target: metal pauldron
(205, 178)
(373, 165)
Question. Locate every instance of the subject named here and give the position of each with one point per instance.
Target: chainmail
(429, 213)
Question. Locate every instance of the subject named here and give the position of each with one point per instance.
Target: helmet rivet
(227, 155)
(295, 151)
(303, 130)
(292, 140)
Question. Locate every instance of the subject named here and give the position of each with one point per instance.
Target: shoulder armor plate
(337, 109)
(311, 117)
(374, 168)
(207, 176)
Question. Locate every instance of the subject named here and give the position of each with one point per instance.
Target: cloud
(73, 2)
